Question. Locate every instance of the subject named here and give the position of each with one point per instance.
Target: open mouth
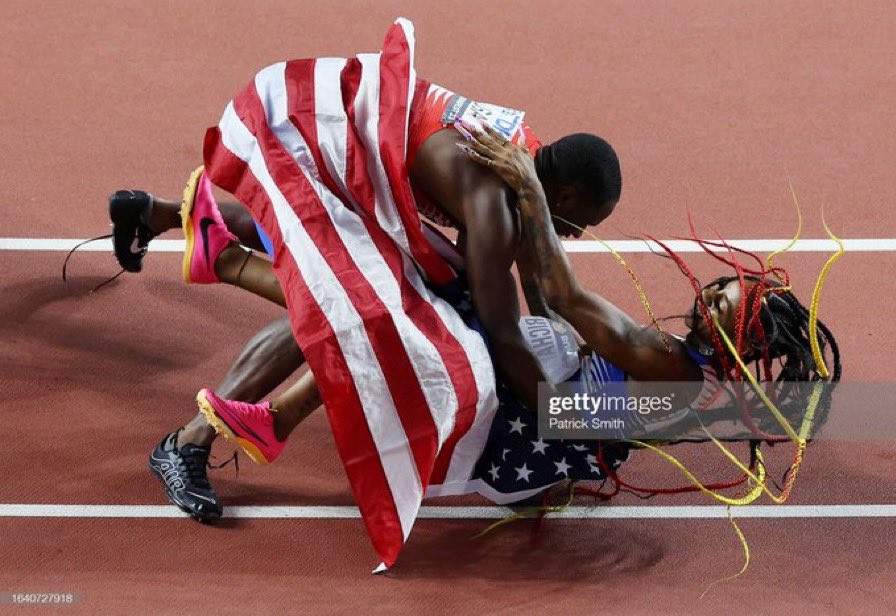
(699, 331)
(690, 319)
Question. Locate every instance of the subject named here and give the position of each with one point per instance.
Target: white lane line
(462, 513)
(589, 246)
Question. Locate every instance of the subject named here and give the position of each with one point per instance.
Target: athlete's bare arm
(640, 351)
(526, 266)
(480, 200)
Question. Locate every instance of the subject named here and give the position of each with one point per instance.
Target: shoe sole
(209, 519)
(186, 209)
(217, 422)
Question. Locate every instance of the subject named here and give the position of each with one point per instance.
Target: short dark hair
(585, 161)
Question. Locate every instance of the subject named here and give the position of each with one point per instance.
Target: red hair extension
(742, 307)
(704, 310)
(740, 317)
(754, 326)
(619, 483)
(733, 263)
(763, 270)
(739, 327)
(777, 270)
(759, 292)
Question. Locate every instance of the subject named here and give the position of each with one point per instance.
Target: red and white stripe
(316, 149)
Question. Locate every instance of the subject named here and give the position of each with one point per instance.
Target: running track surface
(712, 105)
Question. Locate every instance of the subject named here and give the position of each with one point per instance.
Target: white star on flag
(494, 472)
(504, 453)
(539, 446)
(563, 467)
(590, 459)
(580, 447)
(516, 426)
(522, 473)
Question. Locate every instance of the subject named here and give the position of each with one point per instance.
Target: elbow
(503, 334)
(562, 297)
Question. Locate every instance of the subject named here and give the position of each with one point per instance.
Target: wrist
(528, 188)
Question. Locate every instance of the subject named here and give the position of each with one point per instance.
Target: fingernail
(465, 148)
(463, 131)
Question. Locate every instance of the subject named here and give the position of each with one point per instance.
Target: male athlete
(580, 176)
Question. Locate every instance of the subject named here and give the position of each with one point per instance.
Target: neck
(542, 156)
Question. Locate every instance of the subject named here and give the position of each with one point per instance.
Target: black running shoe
(183, 471)
(130, 211)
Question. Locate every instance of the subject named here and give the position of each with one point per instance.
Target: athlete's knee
(267, 359)
(241, 224)
(280, 344)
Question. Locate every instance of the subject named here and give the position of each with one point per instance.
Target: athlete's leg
(165, 215)
(268, 359)
(180, 459)
(249, 271)
(261, 429)
(296, 403)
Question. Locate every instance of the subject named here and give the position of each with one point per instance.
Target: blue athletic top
(594, 375)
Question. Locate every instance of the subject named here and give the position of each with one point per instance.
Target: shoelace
(194, 464)
(236, 463)
(77, 246)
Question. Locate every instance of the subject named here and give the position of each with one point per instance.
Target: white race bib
(554, 345)
(506, 121)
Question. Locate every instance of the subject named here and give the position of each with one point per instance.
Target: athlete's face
(578, 210)
(723, 301)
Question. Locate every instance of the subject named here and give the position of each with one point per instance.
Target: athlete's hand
(488, 147)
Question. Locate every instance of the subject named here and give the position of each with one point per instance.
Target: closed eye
(727, 303)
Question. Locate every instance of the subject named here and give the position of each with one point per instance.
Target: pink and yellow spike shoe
(204, 230)
(251, 426)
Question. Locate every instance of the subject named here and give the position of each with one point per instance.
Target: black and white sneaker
(183, 472)
(130, 211)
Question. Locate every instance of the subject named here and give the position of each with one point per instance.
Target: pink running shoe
(251, 426)
(204, 229)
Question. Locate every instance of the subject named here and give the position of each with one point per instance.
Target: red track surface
(708, 105)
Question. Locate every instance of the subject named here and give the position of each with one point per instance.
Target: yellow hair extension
(816, 297)
(530, 512)
(641, 294)
(801, 445)
(751, 496)
(746, 548)
(799, 439)
(758, 480)
(740, 362)
(759, 486)
(769, 260)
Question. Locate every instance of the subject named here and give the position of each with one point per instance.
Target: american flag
(515, 463)
(316, 150)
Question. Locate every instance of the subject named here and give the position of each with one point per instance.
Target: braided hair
(776, 325)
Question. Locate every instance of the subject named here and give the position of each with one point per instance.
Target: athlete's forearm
(517, 366)
(538, 305)
(551, 268)
(525, 266)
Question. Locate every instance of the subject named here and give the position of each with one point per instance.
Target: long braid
(701, 305)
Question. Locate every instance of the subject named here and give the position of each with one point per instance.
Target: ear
(565, 198)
